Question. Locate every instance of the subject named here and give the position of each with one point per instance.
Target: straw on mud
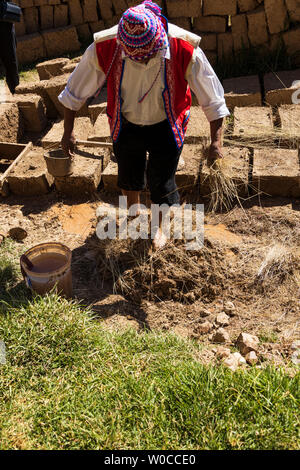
(224, 190)
(279, 263)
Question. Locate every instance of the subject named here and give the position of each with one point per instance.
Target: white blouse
(138, 78)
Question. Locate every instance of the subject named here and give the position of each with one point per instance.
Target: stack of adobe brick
(53, 27)
(227, 26)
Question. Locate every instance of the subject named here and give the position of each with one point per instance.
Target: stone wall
(54, 27)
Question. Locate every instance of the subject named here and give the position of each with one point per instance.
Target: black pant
(159, 172)
(8, 54)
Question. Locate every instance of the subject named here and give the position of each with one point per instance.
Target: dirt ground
(160, 293)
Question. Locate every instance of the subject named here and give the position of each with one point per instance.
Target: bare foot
(159, 240)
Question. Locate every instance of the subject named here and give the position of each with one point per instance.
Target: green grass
(69, 383)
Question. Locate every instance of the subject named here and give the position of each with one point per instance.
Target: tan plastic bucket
(51, 267)
(58, 164)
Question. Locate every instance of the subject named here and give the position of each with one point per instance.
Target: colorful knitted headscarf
(141, 32)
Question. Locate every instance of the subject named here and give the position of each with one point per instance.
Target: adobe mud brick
(86, 176)
(209, 24)
(236, 166)
(289, 119)
(198, 129)
(225, 45)
(12, 125)
(60, 16)
(293, 8)
(30, 48)
(246, 5)
(95, 110)
(253, 124)
(31, 18)
(101, 129)
(33, 112)
(257, 27)
(219, 7)
(38, 88)
(105, 7)
(277, 16)
(51, 68)
(278, 87)
(242, 91)
(61, 40)
(89, 8)
(276, 172)
(46, 17)
(54, 87)
(186, 178)
(30, 177)
(82, 129)
(184, 8)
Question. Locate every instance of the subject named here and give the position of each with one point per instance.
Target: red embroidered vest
(176, 95)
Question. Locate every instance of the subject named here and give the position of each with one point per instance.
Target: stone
(247, 343)
(276, 172)
(222, 352)
(33, 112)
(229, 308)
(295, 358)
(222, 319)
(17, 233)
(242, 91)
(251, 358)
(241, 360)
(204, 328)
(51, 68)
(295, 345)
(231, 362)
(82, 128)
(221, 336)
(253, 124)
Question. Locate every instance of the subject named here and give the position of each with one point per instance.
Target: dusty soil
(160, 293)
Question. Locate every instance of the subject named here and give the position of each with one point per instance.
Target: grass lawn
(69, 383)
